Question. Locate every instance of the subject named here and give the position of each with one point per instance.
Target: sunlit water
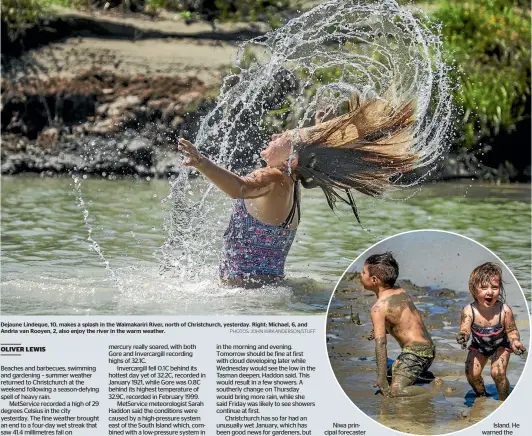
(50, 267)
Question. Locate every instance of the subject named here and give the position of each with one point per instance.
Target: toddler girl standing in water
(362, 149)
(491, 325)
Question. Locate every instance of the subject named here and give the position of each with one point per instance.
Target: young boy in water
(491, 325)
(395, 313)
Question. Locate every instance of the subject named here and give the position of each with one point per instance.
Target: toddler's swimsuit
(487, 340)
(254, 250)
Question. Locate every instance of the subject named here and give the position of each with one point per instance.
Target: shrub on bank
(20, 15)
(489, 43)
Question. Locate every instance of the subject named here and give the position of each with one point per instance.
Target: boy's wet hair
(482, 275)
(384, 267)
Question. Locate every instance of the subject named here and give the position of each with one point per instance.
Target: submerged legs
(404, 387)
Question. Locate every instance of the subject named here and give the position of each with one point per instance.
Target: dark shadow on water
(491, 391)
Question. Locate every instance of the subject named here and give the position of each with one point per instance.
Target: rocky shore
(103, 123)
(110, 96)
(106, 94)
(99, 123)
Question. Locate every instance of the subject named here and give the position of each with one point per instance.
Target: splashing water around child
(339, 52)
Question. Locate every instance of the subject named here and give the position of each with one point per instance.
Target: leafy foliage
(20, 15)
(489, 43)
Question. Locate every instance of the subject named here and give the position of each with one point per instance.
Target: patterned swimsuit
(487, 340)
(254, 249)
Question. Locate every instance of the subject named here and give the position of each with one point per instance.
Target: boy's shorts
(413, 361)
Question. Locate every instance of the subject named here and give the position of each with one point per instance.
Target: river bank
(103, 123)
(99, 123)
(109, 95)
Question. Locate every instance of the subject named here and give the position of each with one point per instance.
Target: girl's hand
(518, 348)
(462, 339)
(192, 157)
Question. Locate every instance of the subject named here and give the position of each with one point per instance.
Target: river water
(50, 267)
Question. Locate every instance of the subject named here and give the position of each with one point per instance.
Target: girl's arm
(512, 332)
(466, 319)
(257, 184)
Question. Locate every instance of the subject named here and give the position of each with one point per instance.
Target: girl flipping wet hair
(363, 149)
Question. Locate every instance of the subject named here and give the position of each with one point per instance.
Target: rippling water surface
(50, 267)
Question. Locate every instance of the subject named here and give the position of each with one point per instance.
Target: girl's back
(254, 249)
(276, 206)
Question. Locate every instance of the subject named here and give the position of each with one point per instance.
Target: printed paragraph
(253, 380)
(155, 389)
(30, 403)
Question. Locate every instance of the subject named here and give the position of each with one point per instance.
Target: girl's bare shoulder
(507, 310)
(467, 310)
(271, 174)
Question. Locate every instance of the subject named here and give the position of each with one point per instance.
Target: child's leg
(499, 363)
(404, 387)
(474, 365)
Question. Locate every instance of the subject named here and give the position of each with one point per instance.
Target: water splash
(337, 50)
(185, 255)
(94, 245)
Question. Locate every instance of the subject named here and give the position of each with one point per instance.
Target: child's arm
(378, 317)
(512, 332)
(466, 319)
(257, 184)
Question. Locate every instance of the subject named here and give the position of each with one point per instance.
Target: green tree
(489, 43)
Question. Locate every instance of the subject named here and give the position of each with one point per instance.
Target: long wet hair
(364, 149)
(483, 275)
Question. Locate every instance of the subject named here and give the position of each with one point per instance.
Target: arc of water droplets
(368, 49)
(394, 50)
(94, 245)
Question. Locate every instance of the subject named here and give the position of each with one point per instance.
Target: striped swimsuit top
(487, 340)
(254, 249)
